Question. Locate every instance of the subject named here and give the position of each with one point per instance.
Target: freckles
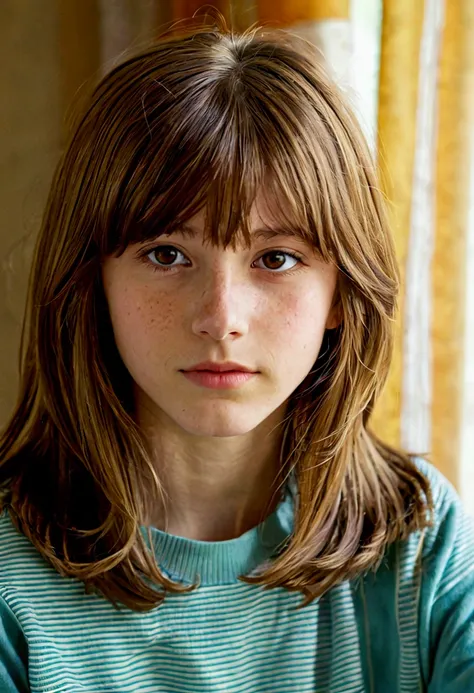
(157, 313)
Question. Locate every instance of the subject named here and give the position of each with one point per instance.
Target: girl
(192, 498)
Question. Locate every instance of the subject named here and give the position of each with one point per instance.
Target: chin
(217, 429)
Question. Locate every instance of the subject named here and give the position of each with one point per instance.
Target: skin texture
(217, 451)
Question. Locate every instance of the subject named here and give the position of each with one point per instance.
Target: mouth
(223, 380)
(214, 367)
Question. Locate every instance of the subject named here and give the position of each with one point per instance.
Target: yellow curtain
(415, 34)
(398, 98)
(290, 11)
(456, 123)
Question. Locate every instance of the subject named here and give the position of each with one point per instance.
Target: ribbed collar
(222, 562)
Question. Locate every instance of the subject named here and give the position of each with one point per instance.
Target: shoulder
(16, 552)
(422, 598)
(448, 552)
(11, 540)
(22, 567)
(15, 548)
(451, 533)
(13, 652)
(432, 561)
(444, 493)
(446, 599)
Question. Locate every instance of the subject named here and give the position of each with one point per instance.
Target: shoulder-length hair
(204, 118)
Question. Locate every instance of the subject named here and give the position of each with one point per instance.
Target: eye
(277, 257)
(163, 256)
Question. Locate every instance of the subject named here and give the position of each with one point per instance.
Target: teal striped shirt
(407, 628)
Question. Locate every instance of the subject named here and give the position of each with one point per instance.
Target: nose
(223, 306)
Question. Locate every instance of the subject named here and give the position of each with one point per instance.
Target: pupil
(279, 256)
(165, 251)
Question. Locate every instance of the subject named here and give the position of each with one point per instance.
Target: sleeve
(448, 599)
(13, 653)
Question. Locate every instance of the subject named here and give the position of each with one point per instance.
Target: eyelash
(162, 268)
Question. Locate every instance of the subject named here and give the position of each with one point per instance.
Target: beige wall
(29, 145)
(48, 50)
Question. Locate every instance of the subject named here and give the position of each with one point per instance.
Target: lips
(219, 380)
(214, 367)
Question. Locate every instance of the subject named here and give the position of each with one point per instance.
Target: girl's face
(176, 302)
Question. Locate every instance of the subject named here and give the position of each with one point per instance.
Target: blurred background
(407, 67)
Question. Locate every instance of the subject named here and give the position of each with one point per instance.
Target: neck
(215, 488)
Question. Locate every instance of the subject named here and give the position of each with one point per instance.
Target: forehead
(263, 225)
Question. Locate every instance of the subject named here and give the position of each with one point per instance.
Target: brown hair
(220, 115)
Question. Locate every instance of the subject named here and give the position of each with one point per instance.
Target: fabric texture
(407, 628)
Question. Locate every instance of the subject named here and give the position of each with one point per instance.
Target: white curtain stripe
(417, 355)
(366, 23)
(334, 39)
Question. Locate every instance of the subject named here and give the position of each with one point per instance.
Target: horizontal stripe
(234, 638)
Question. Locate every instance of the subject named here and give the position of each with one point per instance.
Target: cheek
(138, 318)
(299, 321)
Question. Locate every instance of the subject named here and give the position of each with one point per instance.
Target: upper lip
(219, 367)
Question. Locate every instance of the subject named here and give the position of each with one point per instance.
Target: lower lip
(218, 381)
